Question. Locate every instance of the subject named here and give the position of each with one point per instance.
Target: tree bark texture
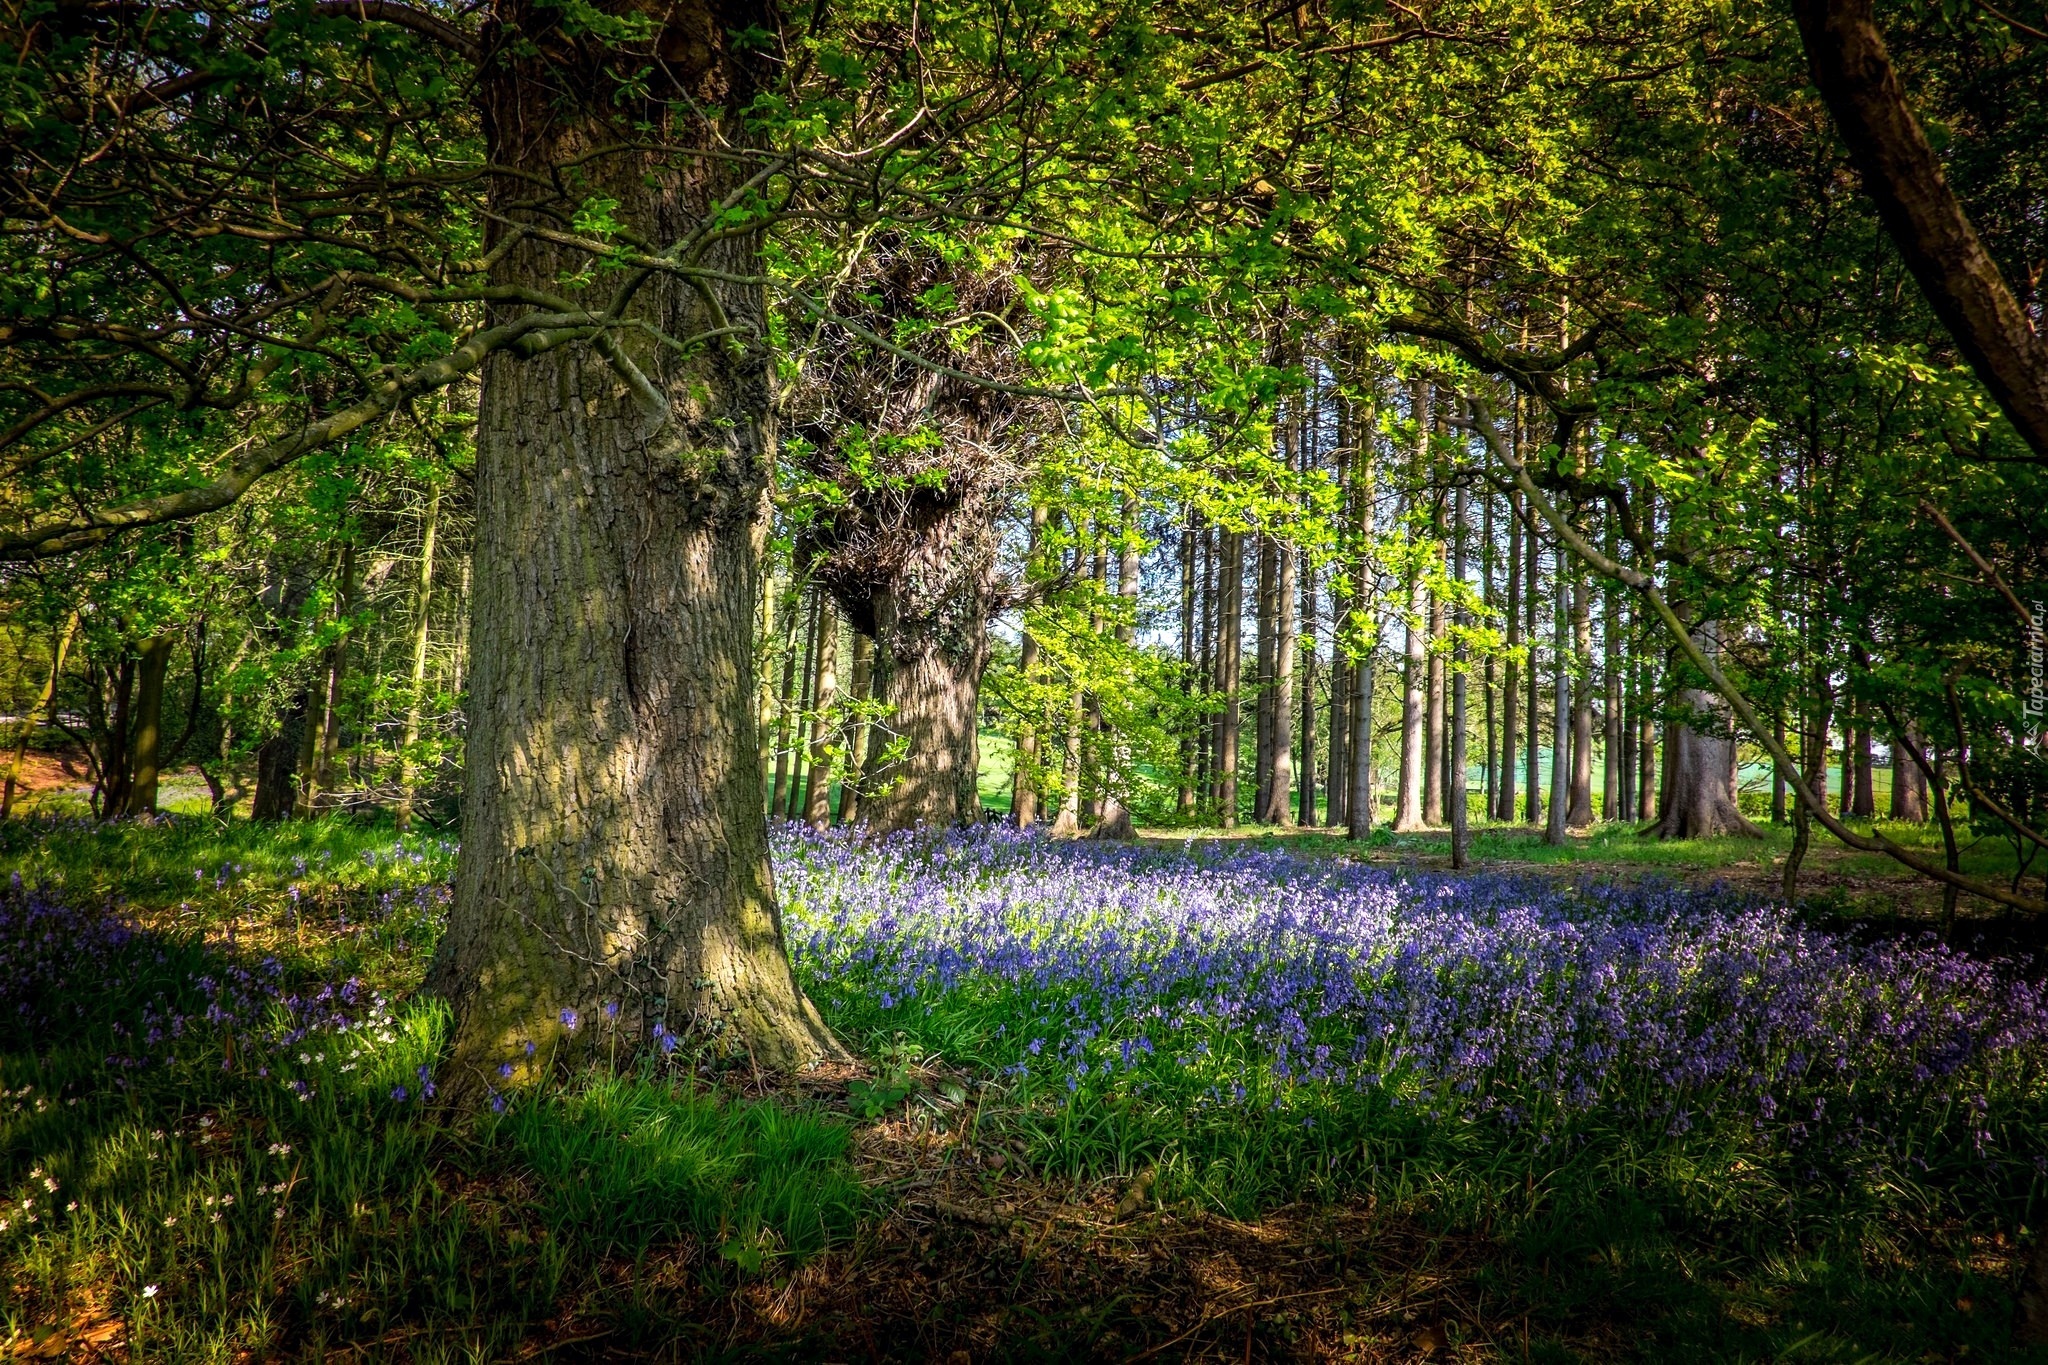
(613, 850)
(145, 743)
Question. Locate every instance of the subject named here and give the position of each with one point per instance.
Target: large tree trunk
(145, 743)
(1699, 779)
(1699, 766)
(928, 672)
(613, 849)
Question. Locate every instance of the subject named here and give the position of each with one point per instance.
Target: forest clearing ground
(977, 1237)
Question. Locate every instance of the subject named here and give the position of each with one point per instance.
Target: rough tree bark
(613, 849)
(1699, 766)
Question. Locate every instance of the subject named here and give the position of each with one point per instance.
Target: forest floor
(950, 1228)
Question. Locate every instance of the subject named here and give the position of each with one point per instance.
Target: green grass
(626, 1199)
(202, 1200)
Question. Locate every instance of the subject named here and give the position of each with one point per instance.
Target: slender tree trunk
(1262, 684)
(1582, 705)
(1492, 802)
(1307, 706)
(793, 808)
(1865, 803)
(1363, 626)
(1511, 683)
(1067, 823)
(1229, 660)
(1207, 730)
(145, 741)
(1460, 805)
(1184, 794)
(856, 731)
(786, 704)
(47, 705)
(1436, 753)
(1280, 744)
(1091, 753)
(1778, 790)
(613, 849)
(1024, 782)
(1115, 822)
(416, 681)
(825, 695)
(1610, 688)
(113, 745)
(337, 672)
(278, 765)
(1533, 548)
(1561, 706)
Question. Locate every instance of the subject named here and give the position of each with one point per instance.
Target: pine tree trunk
(854, 736)
(1511, 682)
(1865, 804)
(613, 849)
(825, 690)
(1307, 701)
(1279, 781)
(1115, 822)
(1460, 807)
(1229, 662)
(1582, 705)
(1533, 548)
(1024, 783)
(1262, 682)
(1184, 793)
(1610, 688)
(145, 741)
(1561, 706)
(416, 680)
(806, 699)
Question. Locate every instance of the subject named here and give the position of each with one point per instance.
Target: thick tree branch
(1921, 213)
(526, 336)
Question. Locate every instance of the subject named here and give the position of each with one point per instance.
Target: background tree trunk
(1229, 660)
(1699, 767)
(825, 689)
(277, 764)
(423, 598)
(145, 742)
(46, 704)
(928, 676)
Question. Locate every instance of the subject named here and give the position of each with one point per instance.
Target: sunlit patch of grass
(280, 1188)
